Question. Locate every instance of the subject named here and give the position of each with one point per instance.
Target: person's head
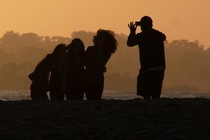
(59, 50)
(76, 46)
(146, 23)
(106, 40)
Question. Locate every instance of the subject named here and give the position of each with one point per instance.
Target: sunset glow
(180, 19)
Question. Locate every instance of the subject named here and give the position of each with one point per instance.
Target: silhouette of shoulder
(152, 34)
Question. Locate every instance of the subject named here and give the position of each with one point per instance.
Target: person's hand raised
(132, 27)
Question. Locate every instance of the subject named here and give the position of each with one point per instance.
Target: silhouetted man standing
(152, 57)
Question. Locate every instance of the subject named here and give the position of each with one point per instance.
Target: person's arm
(102, 60)
(163, 37)
(132, 38)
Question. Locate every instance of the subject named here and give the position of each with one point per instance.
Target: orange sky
(178, 19)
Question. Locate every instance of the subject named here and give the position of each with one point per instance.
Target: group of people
(73, 72)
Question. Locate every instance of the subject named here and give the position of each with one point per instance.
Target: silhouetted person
(95, 59)
(152, 57)
(75, 75)
(40, 77)
(58, 73)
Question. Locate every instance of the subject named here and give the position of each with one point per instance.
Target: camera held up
(137, 23)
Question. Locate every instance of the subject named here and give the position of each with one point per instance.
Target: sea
(18, 95)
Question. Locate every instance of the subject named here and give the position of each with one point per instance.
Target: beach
(162, 119)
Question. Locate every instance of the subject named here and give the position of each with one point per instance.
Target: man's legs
(158, 77)
(149, 84)
(143, 84)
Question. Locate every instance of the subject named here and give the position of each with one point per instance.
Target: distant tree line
(188, 65)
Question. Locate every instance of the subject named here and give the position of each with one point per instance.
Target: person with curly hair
(96, 58)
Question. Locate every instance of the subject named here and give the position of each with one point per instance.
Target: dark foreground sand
(163, 119)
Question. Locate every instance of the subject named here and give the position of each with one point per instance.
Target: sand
(163, 119)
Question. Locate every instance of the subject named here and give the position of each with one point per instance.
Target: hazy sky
(178, 19)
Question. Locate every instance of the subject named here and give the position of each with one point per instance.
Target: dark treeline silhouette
(187, 63)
